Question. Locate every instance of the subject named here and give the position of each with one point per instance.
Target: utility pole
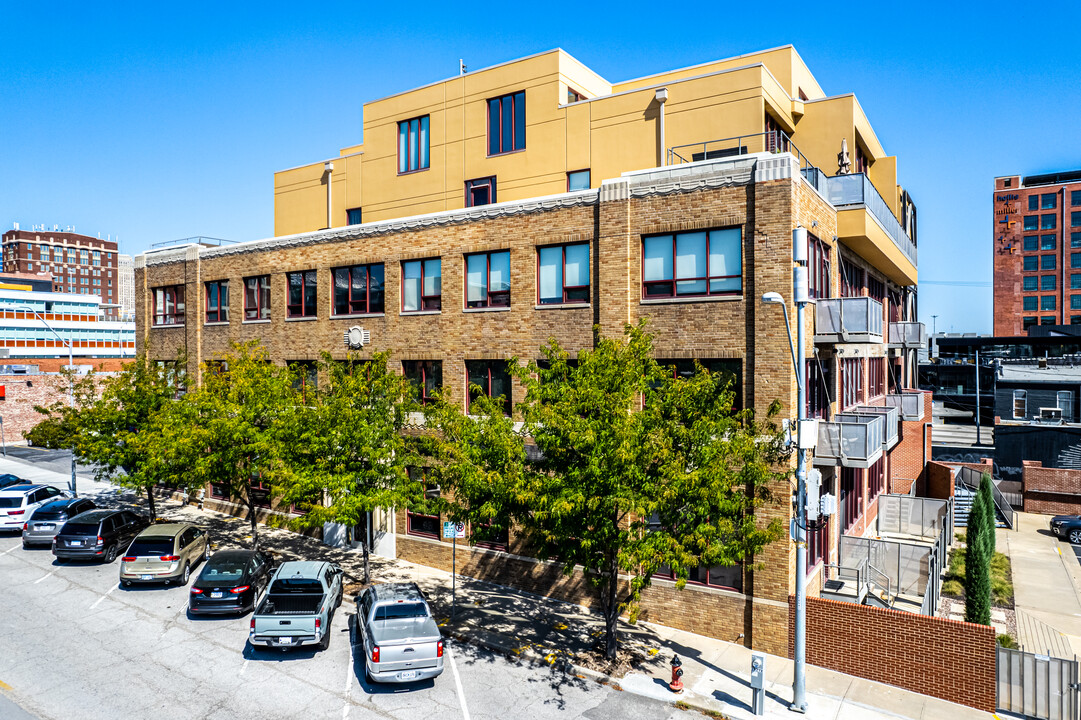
(801, 297)
(934, 325)
(978, 397)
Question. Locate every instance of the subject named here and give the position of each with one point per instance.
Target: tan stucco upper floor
(546, 123)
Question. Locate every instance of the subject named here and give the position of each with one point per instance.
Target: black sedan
(230, 582)
(7, 480)
(1067, 527)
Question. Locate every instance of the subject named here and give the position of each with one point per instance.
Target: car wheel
(126, 583)
(1075, 536)
(110, 554)
(341, 593)
(325, 642)
(186, 575)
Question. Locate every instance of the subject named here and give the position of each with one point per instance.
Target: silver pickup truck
(298, 606)
(401, 640)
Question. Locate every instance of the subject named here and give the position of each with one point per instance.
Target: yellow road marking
(4, 685)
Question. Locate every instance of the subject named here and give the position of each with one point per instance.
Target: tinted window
(400, 610)
(11, 502)
(296, 586)
(151, 547)
(226, 569)
(80, 528)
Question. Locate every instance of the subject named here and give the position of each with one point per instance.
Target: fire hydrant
(676, 685)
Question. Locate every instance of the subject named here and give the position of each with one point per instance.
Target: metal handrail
(857, 189)
(889, 583)
(772, 141)
(1008, 514)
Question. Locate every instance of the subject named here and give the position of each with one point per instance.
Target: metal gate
(1036, 686)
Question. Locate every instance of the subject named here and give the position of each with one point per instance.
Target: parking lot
(77, 645)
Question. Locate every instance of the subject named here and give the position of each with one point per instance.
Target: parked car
(230, 582)
(18, 502)
(97, 534)
(297, 609)
(164, 553)
(47, 520)
(401, 640)
(7, 479)
(1067, 527)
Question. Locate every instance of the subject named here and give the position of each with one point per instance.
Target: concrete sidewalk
(1047, 586)
(535, 629)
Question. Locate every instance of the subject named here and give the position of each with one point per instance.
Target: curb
(682, 702)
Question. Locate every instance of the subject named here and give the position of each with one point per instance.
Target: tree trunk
(252, 520)
(150, 499)
(611, 611)
(367, 566)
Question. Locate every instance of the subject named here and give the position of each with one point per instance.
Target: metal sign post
(453, 530)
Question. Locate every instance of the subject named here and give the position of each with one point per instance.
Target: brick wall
(938, 481)
(1051, 491)
(913, 450)
(947, 659)
(21, 394)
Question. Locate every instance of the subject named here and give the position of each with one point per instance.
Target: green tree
(349, 453)
(978, 562)
(636, 469)
(987, 493)
(234, 429)
(115, 429)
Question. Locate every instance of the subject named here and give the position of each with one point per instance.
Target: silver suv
(18, 503)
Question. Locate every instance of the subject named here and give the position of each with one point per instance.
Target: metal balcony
(848, 320)
(855, 190)
(908, 335)
(856, 441)
(891, 417)
(909, 403)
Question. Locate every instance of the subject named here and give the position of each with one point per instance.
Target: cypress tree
(988, 497)
(978, 563)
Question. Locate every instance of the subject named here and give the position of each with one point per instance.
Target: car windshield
(400, 610)
(224, 569)
(80, 529)
(51, 515)
(11, 502)
(296, 586)
(151, 547)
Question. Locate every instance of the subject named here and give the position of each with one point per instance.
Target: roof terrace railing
(856, 190)
(774, 141)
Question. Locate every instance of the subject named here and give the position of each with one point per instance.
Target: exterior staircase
(962, 504)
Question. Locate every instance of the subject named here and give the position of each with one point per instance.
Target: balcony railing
(908, 335)
(855, 190)
(855, 442)
(891, 418)
(847, 320)
(773, 141)
(909, 403)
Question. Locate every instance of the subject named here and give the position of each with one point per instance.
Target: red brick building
(79, 264)
(1037, 251)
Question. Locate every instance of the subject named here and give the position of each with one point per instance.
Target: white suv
(18, 503)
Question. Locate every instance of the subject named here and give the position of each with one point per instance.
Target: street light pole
(801, 298)
(71, 369)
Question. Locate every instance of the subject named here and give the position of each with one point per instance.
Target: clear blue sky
(154, 122)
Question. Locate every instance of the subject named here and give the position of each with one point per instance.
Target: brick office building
(455, 286)
(1037, 251)
(79, 264)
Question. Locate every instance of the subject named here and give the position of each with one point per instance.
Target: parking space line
(457, 682)
(98, 601)
(244, 666)
(10, 549)
(45, 577)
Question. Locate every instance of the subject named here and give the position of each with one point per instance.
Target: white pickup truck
(298, 606)
(401, 640)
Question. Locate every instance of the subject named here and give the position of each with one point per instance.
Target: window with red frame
(863, 162)
(776, 140)
(724, 577)
(257, 298)
(851, 382)
(693, 264)
(876, 479)
(260, 493)
(487, 279)
(506, 123)
(851, 496)
(480, 191)
(876, 377)
(729, 370)
(851, 280)
(818, 541)
(491, 535)
(419, 523)
(217, 301)
(563, 274)
(358, 290)
(876, 288)
(818, 267)
(305, 377)
(302, 294)
(426, 377)
(169, 305)
(819, 388)
(422, 285)
(491, 378)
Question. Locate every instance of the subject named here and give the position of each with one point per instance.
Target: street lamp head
(773, 298)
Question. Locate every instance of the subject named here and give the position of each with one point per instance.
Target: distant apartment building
(125, 273)
(1037, 251)
(79, 264)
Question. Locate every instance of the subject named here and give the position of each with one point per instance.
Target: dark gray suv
(97, 534)
(47, 520)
